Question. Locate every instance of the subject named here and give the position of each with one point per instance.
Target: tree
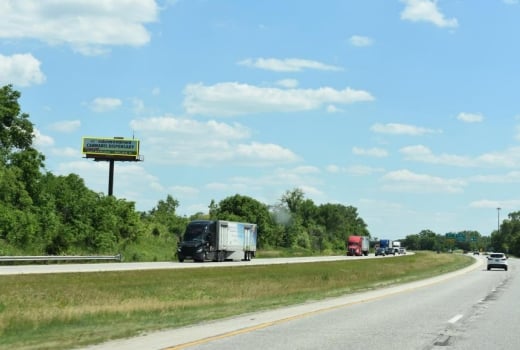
(293, 199)
(507, 239)
(29, 162)
(341, 221)
(16, 137)
(16, 131)
(412, 242)
(165, 214)
(427, 240)
(246, 209)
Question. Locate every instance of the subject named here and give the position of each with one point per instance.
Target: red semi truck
(358, 245)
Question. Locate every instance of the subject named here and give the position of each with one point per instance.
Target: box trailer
(218, 240)
(358, 245)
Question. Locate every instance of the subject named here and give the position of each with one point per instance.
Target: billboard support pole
(111, 178)
(111, 150)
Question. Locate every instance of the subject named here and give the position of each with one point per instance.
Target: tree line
(42, 213)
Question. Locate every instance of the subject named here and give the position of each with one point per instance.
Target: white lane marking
(455, 319)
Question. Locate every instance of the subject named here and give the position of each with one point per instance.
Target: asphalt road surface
(468, 309)
(53, 267)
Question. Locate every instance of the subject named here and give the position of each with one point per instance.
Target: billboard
(105, 147)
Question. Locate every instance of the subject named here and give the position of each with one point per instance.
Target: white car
(497, 261)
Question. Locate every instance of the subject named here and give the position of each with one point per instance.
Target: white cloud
(89, 27)
(68, 152)
(138, 106)
(332, 168)
(358, 40)
(188, 141)
(510, 2)
(510, 177)
(333, 109)
(401, 129)
(306, 169)
(509, 158)
(423, 154)
(306, 178)
(184, 191)
(426, 11)
(65, 126)
(363, 170)
(371, 152)
(310, 190)
(470, 117)
(229, 99)
(407, 181)
(287, 178)
(287, 83)
(264, 152)
(128, 177)
(286, 65)
(191, 128)
(511, 204)
(105, 104)
(517, 132)
(41, 140)
(217, 186)
(382, 205)
(354, 170)
(20, 70)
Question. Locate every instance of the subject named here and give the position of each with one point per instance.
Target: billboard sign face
(108, 147)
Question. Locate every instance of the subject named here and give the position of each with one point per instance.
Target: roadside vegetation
(46, 214)
(62, 311)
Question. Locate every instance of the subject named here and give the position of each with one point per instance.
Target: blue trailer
(385, 243)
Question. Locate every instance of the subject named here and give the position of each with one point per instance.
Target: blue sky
(405, 109)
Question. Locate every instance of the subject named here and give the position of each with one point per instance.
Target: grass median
(63, 311)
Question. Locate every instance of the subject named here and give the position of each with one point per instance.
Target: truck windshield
(195, 232)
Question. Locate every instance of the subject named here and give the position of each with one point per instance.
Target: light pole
(498, 220)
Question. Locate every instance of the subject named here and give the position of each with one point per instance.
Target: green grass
(61, 311)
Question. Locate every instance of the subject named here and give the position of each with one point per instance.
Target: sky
(407, 110)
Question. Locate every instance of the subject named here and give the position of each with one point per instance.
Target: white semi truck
(396, 245)
(218, 240)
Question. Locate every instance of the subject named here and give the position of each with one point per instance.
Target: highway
(468, 309)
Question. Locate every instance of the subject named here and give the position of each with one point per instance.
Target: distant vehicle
(396, 245)
(358, 245)
(402, 250)
(218, 241)
(476, 252)
(389, 251)
(385, 243)
(380, 251)
(497, 261)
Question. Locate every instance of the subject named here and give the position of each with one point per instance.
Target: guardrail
(60, 258)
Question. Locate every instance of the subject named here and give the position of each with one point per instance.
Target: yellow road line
(303, 315)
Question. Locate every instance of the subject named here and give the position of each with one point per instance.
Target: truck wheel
(181, 259)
